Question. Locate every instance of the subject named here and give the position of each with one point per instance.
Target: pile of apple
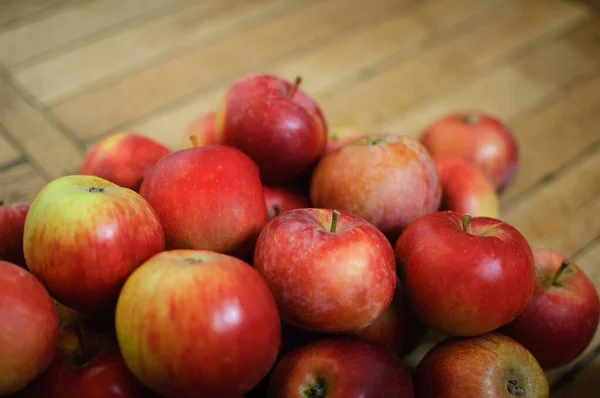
(262, 259)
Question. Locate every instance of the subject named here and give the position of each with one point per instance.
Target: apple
(341, 368)
(562, 317)
(282, 199)
(273, 121)
(339, 139)
(387, 180)
(490, 365)
(465, 276)
(330, 271)
(479, 138)
(29, 329)
(194, 323)
(201, 132)
(84, 235)
(397, 328)
(87, 364)
(208, 198)
(12, 223)
(465, 189)
(123, 159)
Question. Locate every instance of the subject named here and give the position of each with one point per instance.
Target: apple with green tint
(85, 235)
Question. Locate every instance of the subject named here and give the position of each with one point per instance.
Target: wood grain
(123, 101)
(71, 23)
(43, 143)
(8, 153)
(20, 183)
(54, 79)
(13, 10)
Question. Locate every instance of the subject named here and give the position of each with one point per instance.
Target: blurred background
(75, 71)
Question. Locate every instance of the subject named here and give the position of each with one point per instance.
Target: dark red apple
(465, 189)
(208, 198)
(341, 368)
(281, 199)
(196, 323)
(562, 317)
(479, 138)
(330, 271)
(387, 180)
(465, 276)
(123, 159)
(398, 328)
(486, 366)
(12, 224)
(201, 132)
(29, 328)
(273, 121)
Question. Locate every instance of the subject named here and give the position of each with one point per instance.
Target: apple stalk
(466, 220)
(334, 220)
(294, 87)
(563, 266)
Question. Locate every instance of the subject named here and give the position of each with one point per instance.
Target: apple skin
(196, 323)
(85, 235)
(397, 328)
(12, 224)
(342, 367)
(273, 121)
(465, 189)
(208, 198)
(465, 283)
(326, 281)
(388, 180)
(123, 159)
(479, 138)
(281, 199)
(562, 317)
(29, 330)
(339, 139)
(203, 131)
(490, 365)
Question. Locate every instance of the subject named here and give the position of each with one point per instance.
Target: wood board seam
(25, 159)
(37, 15)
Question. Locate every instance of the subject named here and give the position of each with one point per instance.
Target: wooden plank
(70, 24)
(20, 183)
(584, 384)
(123, 101)
(335, 63)
(588, 260)
(507, 90)
(445, 66)
(8, 153)
(55, 78)
(43, 143)
(13, 10)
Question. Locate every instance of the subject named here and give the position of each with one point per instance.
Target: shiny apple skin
(12, 225)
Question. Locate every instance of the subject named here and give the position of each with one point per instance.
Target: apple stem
(334, 220)
(1, 202)
(470, 119)
(194, 139)
(563, 266)
(466, 220)
(294, 87)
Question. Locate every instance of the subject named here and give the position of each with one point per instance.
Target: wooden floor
(73, 71)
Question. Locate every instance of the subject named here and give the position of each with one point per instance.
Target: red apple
(465, 276)
(29, 328)
(329, 271)
(12, 223)
(281, 199)
(397, 328)
(339, 139)
(273, 121)
(465, 189)
(201, 132)
(208, 198)
(123, 159)
(197, 324)
(387, 180)
(83, 237)
(486, 366)
(562, 317)
(341, 368)
(87, 365)
(479, 138)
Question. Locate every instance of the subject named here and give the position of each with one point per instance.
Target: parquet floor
(73, 71)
